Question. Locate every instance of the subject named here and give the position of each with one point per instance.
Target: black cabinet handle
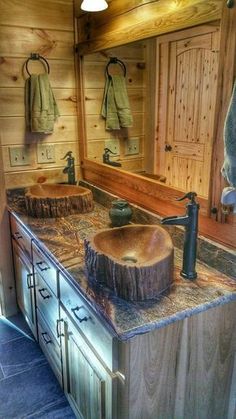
(44, 336)
(28, 281)
(81, 319)
(41, 291)
(40, 266)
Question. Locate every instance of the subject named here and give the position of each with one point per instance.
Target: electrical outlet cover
(46, 153)
(132, 146)
(113, 145)
(19, 156)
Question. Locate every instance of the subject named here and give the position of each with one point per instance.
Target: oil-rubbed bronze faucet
(190, 221)
(106, 158)
(70, 168)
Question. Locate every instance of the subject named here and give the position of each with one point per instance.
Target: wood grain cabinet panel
(88, 384)
(25, 287)
(182, 371)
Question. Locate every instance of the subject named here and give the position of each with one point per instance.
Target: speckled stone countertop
(63, 240)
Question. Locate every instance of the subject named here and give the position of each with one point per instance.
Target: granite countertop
(63, 239)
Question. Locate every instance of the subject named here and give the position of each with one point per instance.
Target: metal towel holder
(34, 56)
(114, 60)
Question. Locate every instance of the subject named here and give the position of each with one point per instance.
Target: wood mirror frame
(121, 24)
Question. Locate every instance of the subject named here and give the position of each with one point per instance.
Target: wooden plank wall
(125, 22)
(94, 65)
(47, 28)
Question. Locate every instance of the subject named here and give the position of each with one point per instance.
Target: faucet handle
(188, 195)
(68, 154)
(107, 151)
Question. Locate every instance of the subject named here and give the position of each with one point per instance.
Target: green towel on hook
(115, 106)
(40, 105)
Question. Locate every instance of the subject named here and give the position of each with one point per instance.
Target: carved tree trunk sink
(50, 200)
(135, 261)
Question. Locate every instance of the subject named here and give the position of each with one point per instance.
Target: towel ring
(114, 60)
(34, 57)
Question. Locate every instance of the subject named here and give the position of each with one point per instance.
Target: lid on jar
(120, 203)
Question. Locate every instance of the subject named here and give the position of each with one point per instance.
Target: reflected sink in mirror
(52, 200)
(135, 261)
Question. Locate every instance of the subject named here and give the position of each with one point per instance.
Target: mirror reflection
(171, 84)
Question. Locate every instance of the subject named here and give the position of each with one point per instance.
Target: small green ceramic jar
(120, 213)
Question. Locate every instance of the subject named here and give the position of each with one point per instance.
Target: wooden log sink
(135, 261)
(52, 200)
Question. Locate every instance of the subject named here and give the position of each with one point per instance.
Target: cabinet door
(25, 287)
(87, 383)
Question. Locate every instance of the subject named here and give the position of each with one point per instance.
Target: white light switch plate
(19, 156)
(46, 153)
(113, 145)
(132, 146)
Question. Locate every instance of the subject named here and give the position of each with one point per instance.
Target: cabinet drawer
(90, 326)
(49, 346)
(46, 268)
(21, 237)
(47, 304)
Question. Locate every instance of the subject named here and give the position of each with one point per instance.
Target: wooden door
(87, 384)
(187, 85)
(25, 287)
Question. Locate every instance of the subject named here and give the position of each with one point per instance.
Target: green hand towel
(122, 101)
(41, 108)
(115, 106)
(109, 111)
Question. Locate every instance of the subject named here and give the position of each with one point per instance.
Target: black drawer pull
(17, 235)
(44, 336)
(41, 291)
(81, 319)
(29, 285)
(45, 268)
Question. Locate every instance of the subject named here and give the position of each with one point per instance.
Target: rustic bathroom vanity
(169, 357)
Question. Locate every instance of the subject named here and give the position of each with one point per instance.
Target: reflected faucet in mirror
(190, 222)
(106, 158)
(172, 110)
(70, 168)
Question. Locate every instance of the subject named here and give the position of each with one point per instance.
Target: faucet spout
(176, 220)
(190, 222)
(70, 168)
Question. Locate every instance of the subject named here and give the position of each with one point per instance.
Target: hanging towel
(229, 167)
(115, 106)
(109, 110)
(40, 106)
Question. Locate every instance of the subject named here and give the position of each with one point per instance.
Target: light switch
(46, 153)
(132, 146)
(113, 145)
(19, 156)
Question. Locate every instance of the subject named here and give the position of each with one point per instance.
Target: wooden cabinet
(25, 286)
(47, 303)
(88, 383)
(182, 370)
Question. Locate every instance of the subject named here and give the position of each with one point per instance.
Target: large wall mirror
(177, 93)
(171, 84)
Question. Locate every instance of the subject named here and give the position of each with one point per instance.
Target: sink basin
(51, 200)
(135, 261)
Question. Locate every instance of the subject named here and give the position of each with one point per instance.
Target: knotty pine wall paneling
(94, 69)
(45, 27)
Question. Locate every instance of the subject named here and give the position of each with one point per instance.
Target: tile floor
(28, 388)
